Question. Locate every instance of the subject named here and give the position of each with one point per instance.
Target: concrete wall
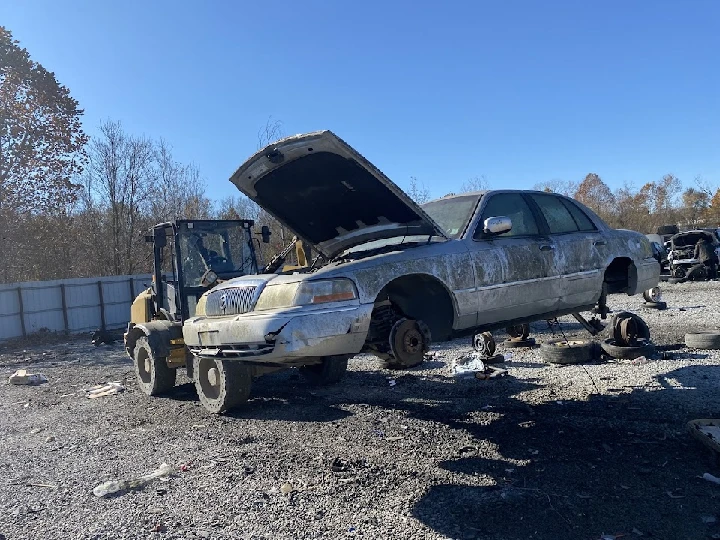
(74, 305)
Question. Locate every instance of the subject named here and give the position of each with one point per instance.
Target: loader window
(220, 247)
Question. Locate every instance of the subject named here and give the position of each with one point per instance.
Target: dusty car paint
(490, 282)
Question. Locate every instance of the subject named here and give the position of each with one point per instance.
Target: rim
(655, 294)
(209, 378)
(144, 366)
(570, 343)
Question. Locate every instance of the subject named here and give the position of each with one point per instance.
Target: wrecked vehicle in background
(396, 276)
(682, 263)
(660, 253)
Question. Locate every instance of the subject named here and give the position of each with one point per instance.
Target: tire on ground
(559, 351)
(674, 280)
(153, 375)
(224, 389)
(644, 348)
(702, 340)
(330, 371)
(656, 305)
(515, 343)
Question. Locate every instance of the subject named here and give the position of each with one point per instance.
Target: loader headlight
(320, 291)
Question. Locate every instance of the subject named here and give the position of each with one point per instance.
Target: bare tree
(271, 131)
(418, 191)
(118, 184)
(556, 185)
(177, 190)
(476, 183)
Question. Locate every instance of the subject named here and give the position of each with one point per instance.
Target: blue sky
(519, 91)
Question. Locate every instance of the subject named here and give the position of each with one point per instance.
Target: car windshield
(222, 247)
(452, 214)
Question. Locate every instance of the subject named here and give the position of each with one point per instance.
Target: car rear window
(562, 215)
(558, 217)
(583, 222)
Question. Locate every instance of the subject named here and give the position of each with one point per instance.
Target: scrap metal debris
(22, 377)
(117, 487)
(103, 390)
(474, 366)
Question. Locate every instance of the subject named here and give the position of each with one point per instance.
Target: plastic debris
(491, 372)
(710, 478)
(118, 487)
(21, 376)
(103, 390)
(286, 488)
(639, 360)
(709, 519)
(468, 366)
(392, 382)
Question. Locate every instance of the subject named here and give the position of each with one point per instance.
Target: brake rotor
(653, 295)
(626, 332)
(409, 341)
(484, 343)
(519, 331)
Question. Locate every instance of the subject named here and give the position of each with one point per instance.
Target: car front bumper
(283, 337)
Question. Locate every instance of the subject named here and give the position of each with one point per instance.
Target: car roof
(486, 191)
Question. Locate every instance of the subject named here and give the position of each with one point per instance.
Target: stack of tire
(578, 351)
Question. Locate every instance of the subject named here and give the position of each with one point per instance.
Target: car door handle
(547, 247)
(599, 243)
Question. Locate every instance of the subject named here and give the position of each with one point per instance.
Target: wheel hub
(213, 376)
(412, 341)
(409, 341)
(484, 343)
(654, 294)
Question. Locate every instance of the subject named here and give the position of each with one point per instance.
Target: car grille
(232, 300)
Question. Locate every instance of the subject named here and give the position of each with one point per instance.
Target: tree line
(75, 206)
(644, 209)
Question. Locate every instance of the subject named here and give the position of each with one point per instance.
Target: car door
(512, 269)
(580, 250)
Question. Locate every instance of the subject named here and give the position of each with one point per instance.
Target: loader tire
(221, 385)
(153, 375)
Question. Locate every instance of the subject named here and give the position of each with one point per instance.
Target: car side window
(557, 216)
(583, 222)
(510, 205)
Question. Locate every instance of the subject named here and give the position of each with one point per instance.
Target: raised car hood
(327, 193)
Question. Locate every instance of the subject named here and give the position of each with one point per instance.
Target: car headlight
(304, 293)
(200, 307)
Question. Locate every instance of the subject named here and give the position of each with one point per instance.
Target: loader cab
(192, 255)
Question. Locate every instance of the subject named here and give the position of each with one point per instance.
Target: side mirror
(265, 233)
(159, 238)
(497, 225)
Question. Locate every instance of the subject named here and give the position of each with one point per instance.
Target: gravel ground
(546, 452)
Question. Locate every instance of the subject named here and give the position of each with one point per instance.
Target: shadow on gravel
(609, 465)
